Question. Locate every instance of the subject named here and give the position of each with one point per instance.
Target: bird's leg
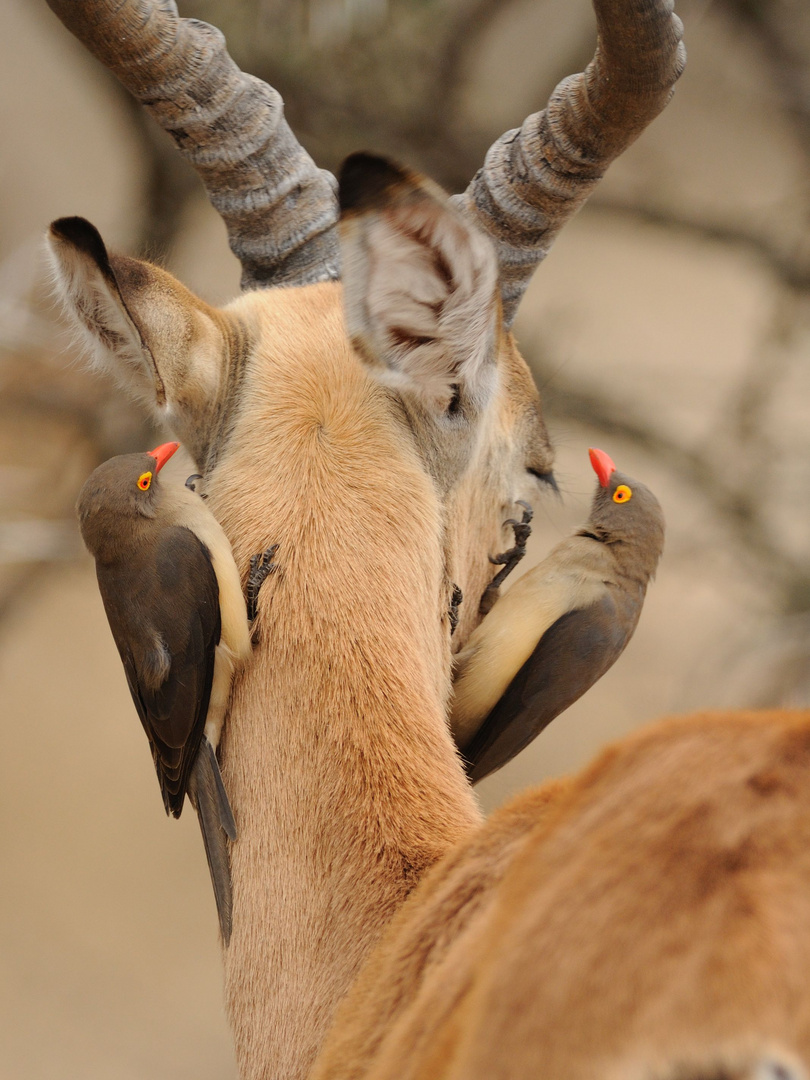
(260, 567)
(508, 560)
(455, 603)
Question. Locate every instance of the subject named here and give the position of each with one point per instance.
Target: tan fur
(651, 922)
(352, 670)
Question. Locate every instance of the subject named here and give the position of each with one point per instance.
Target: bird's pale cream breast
(571, 577)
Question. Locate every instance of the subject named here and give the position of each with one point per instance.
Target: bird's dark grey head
(625, 512)
(118, 499)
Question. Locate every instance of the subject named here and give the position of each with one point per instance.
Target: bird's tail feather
(208, 796)
(223, 805)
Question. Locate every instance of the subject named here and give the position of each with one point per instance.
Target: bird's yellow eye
(145, 479)
(622, 493)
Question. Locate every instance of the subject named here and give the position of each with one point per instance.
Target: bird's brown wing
(165, 618)
(572, 654)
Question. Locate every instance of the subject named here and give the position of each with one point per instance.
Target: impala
(644, 920)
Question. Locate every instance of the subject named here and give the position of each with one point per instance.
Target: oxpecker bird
(174, 602)
(560, 627)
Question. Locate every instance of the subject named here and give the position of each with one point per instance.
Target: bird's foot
(455, 603)
(261, 566)
(508, 560)
(191, 484)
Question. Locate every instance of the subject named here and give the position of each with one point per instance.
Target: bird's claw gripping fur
(455, 604)
(261, 566)
(191, 484)
(508, 560)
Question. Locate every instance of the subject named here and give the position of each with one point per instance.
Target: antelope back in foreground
(379, 431)
(648, 919)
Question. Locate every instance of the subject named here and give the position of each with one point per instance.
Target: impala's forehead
(297, 319)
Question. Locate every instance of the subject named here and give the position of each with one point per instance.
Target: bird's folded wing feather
(569, 658)
(572, 576)
(166, 623)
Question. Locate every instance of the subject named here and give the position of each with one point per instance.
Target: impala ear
(420, 286)
(89, 288)
(156, 339)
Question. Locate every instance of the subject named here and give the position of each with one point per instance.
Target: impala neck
(337, 758)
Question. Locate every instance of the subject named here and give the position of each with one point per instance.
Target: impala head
(430, 289)
(423, 322)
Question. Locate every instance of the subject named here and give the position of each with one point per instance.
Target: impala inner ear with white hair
(137, 323)
(420, 285)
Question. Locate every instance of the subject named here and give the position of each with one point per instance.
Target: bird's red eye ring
(622, 493)
(144, 480)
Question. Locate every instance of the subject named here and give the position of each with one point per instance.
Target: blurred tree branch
(781, 29)
(792, 269)
(389, 85)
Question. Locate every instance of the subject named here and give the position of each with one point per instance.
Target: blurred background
(670, 326)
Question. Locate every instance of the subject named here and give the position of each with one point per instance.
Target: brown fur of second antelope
(645, 919)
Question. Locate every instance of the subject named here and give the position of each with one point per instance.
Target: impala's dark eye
(544, 478)
(455, 402)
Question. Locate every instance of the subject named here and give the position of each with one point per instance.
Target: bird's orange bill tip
(602, 465)
(162, 453)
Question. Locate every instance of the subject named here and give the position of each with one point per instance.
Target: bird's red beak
(162, 453)
(602, 465)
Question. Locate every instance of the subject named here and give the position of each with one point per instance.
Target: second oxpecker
(560, 627)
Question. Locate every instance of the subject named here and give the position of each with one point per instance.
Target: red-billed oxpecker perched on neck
(560, 627)
(174, 602)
